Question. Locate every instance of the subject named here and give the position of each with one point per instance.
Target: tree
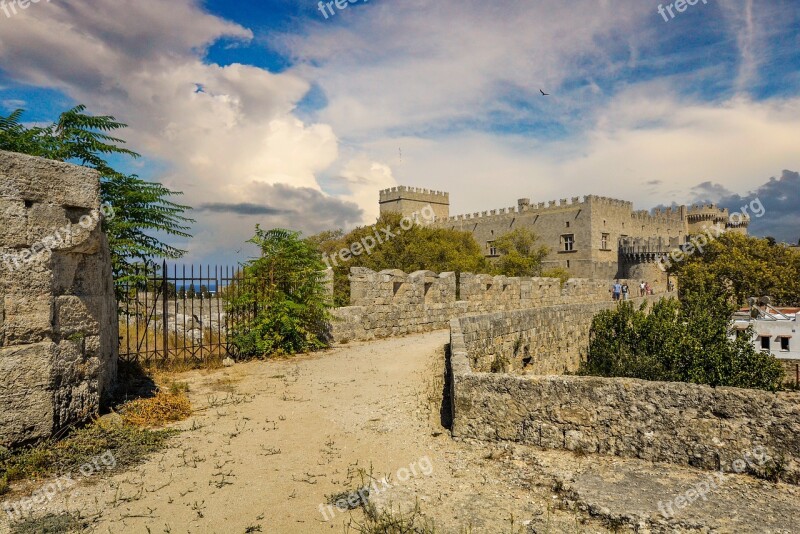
(739, 267)
(520, 256)
(413, 249)
(142, 211)
(280, 303)
(191, 293)
(678, 341)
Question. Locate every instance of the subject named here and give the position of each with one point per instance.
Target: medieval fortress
(515, 342)
(591, 237)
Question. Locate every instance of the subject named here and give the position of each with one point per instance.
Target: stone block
(47, 181)
(26, 393)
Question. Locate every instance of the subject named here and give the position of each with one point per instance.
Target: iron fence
(170, 315)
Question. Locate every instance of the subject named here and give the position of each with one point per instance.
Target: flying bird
(543, 93)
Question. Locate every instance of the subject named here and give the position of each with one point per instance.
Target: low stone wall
(391, 302)
(679, 423)
(58, 319)
(540, 341)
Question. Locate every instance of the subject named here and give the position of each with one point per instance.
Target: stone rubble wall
(391, 302)
(58, 319)
(550, 340)
(679, 423)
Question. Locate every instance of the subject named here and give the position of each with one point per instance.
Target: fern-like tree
(280, 305)
(142, 209)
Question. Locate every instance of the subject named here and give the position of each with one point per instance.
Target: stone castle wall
(550, 340)
(58, 320)
(680, 423)
(391, 302)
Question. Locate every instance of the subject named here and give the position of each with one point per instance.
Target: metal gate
(179, 316)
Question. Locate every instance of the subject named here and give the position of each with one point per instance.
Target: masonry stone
(391, 302)
(58, 316)
(539, 403)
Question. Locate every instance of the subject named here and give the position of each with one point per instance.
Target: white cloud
(143, 63)
(445, 81)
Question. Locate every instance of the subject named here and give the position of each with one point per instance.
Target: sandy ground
(269, 441)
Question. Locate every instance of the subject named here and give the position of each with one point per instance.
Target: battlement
(700, 212)
(663, 215)
(402, 191)
(524, 206)
(607, 201)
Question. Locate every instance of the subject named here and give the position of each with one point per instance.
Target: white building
(774, 331)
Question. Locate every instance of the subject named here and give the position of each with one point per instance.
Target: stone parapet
(687, 424)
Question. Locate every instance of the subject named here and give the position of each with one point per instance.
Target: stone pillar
(58, 320)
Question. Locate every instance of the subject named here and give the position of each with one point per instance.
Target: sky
(272, 112)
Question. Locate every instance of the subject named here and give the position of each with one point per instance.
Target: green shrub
(280, 305)
(678, 341)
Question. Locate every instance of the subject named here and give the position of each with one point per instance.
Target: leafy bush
(678, 341)
(279, 306)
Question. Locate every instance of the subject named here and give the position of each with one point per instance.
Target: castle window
(785, 343)
(568, 241)
(604, 242)
(567, 264)
(492, 248)
(567, 224)
(765, 343)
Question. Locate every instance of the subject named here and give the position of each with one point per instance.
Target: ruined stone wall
(391, 302)
(58, 321)
(679, 423)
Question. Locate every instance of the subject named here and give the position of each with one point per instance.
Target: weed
(51, 524)
(499, 364)
(775, 470)
(128, 444)
(392, 522)
(177, 388)
(157, 411)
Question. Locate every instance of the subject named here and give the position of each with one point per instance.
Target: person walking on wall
(616, 290)
(625, 291)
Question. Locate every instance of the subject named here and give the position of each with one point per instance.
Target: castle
(591, 236)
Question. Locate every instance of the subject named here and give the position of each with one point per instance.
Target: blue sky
(302, 119)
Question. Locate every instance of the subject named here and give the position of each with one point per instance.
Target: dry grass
(184, 353)
(165, 407)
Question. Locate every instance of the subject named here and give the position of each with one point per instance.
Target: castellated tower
(699, 218)
(410, 200)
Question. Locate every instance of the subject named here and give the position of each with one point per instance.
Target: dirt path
(269, 441)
